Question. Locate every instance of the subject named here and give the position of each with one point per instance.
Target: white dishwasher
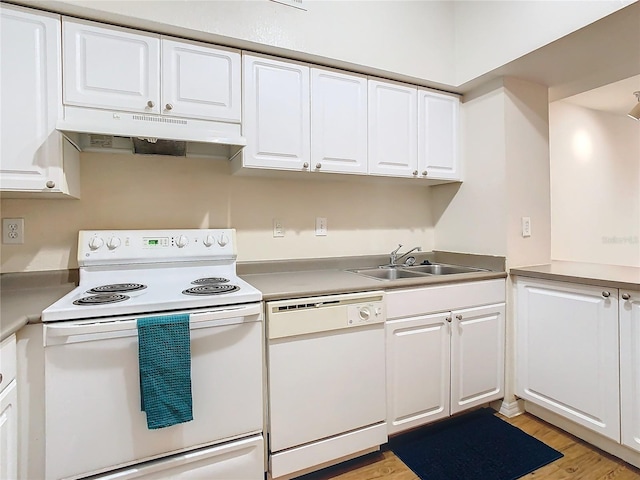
(326, 371)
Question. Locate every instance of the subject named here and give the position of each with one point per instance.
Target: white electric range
(92, 403)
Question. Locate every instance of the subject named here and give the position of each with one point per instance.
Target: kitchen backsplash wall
(595, 186)
(136, 192)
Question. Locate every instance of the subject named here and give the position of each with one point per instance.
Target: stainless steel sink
(442, 269)
(391, 273)
(415, 271)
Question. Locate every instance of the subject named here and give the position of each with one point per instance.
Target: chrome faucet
(394, 257)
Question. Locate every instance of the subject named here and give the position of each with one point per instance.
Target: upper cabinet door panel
(438, 135)
(199, 81)
(110, 67)
(276, 113)
(338, 122)
(31, 99)
(393, 129)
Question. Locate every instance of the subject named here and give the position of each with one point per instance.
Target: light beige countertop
(305, 278)
(21, 306)
(614, 276)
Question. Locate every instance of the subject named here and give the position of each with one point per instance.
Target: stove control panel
(103, 247)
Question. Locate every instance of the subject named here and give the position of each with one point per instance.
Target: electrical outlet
(321, 227)
(526, 226)
(278, 228)
(13, 230)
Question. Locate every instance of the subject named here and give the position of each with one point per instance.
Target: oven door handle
(226, 316)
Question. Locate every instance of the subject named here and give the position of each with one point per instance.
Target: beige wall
(135, 192)
(595, 186)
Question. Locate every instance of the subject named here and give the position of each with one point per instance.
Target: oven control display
(155, 242)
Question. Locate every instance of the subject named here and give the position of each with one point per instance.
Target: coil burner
(211, 289)
(118, 288)
(101, 299)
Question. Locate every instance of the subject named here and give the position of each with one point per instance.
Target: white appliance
(326, 369)
(93, 419)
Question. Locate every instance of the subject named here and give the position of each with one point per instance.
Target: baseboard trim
(510, 409)
(624, 453)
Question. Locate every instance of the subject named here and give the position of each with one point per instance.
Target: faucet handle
(396, 250)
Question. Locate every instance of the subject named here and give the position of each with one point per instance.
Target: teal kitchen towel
(164, 359)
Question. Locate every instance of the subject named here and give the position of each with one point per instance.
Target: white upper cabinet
(199, 81)
(630, 367)
(117, 68)
(393, 129)
(338, 122)
(438, 135)
(35, 157)
(276, 114)
(110, 67)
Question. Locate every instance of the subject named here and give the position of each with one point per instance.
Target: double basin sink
(414, 271)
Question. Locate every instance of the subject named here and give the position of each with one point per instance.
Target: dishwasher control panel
(365, 313)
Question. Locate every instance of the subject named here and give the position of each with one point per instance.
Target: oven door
(92, 391)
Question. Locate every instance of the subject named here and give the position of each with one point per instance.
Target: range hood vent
(94, 130)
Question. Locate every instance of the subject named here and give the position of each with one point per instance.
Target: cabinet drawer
(403, 303)
(7, 361)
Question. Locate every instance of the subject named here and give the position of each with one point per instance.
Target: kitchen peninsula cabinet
(36, 159)
(567, 352)
(445, 351)
(629, 316)
(117, 68)
(8, 410)
(393, 129)
(276, 118)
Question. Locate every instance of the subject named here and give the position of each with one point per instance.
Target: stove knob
(113, 243)
(182, 241)
(95, 243)
(223, 240)
(209, 240)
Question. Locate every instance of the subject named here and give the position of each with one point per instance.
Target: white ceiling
(614, 98)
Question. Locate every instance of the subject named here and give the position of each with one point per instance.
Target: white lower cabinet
(567, 352)
(445, 351)
(629, 317)
(8, 410)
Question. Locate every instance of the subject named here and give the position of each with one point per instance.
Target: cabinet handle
(0, 378)
(606, 294)
(459, 317)
(448, 319)
(305, 165)
(415, 173)
(51, 184)
(318, 166)
(424, 173)
(168, 106)
(626, 296)
(150, 104)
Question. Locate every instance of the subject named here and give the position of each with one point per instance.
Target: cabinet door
(199, 81)
(31, 99)
(417, 371)
(338, 122)
(110, 67)
(477, 356)
(567, 352)
(393, 129)
(276, 114)
(438, 136)
(9, 432)
(630, 368)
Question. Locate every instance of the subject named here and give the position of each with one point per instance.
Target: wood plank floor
(581, 460)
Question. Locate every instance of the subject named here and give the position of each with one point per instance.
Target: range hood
(95, 130)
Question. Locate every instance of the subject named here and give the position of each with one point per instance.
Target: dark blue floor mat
(474, 446)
